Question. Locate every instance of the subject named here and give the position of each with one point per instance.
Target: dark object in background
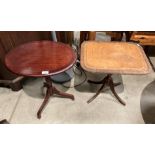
(147, 103)
(4, 121)
(66, 37)
(115, 35)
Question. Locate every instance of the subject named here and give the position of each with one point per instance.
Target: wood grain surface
(40, 58)
(144, 38)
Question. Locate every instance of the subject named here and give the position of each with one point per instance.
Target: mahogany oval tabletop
(40, 58)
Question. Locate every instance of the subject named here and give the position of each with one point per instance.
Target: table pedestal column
(51, 90)
(109, 82)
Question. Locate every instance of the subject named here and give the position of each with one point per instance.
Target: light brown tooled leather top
(114, 57)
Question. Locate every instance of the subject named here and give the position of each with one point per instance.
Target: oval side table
(42, 59)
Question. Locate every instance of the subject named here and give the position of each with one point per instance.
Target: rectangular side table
(113, 58)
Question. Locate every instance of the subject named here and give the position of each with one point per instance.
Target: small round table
(42, 59)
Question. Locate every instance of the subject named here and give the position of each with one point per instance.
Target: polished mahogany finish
(10, 40)
(40, 58)
(51, 90)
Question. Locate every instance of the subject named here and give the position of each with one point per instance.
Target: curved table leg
(104, 81)
(111, 85)
(55, 91)
(49, 92)
(109, 82)
(47, 96)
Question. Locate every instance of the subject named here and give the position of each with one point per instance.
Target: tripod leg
(66, 95)
(47, 96)
(99, 91)
(111, 84)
